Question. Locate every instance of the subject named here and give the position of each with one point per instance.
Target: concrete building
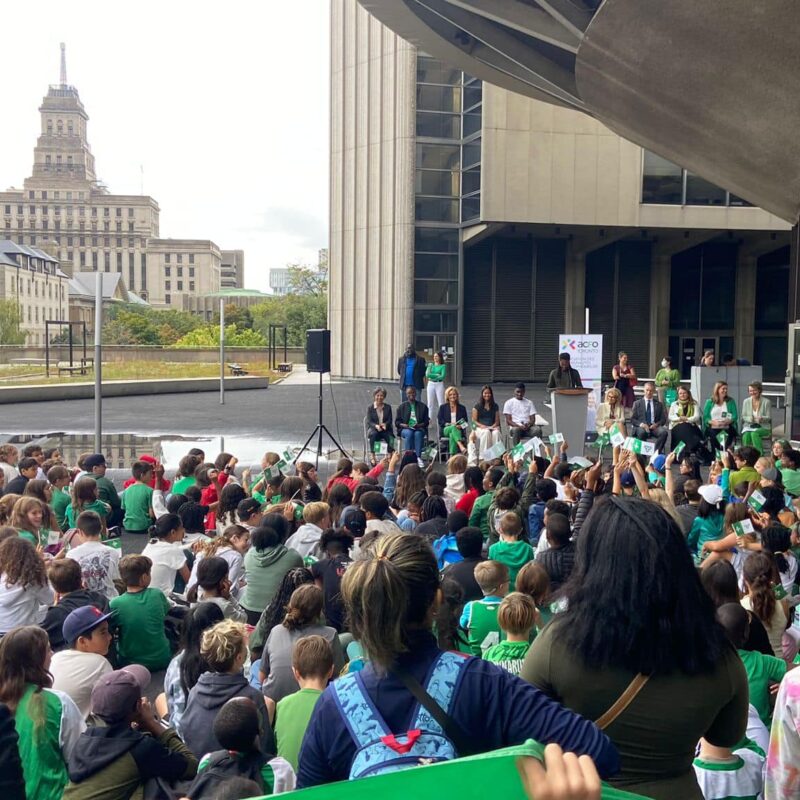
(470, 219)
(279, 281)
(32, 278)
(182, 267)
(65, 209)
(83, 289)
(232, 269)
(208, 305)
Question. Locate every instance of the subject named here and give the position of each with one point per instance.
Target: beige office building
(470, 219)
(64, 209)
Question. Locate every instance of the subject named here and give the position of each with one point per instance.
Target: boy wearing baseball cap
(75, 671)
(96, 466)
(112, 760)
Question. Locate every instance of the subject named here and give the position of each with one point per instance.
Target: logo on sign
(574, 345)
(570, 343)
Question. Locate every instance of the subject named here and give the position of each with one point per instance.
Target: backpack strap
(363, 720)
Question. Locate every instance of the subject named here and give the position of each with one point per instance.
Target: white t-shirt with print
(99, 565)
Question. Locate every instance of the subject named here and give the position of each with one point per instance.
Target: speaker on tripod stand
(318, 359)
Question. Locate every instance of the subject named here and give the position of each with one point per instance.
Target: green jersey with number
(479, 619)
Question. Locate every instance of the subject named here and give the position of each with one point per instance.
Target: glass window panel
(424, 344)
(473, 95)
(431, 70)
(436, 293)
(772, 289)
(432, 265)
(719, 286)
(436, 240)
(472, 154)
(700, 192)
(470, 208)
(735, 200)
(436, 209)
(471, 180)
(438, 98)
(663, 180)
(435, 321)
(684, 298)
(437, 183)
(441, 126)
(770, 353)
(438, 156)
(472, 122)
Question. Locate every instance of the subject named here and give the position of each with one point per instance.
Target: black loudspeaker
(318, 350)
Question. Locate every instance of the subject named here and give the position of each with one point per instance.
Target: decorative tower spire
(63, 64)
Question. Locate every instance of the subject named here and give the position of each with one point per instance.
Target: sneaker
(421, 463)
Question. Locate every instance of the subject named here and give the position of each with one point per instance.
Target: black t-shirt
(330, 571)
(486, 417)
(463, 572)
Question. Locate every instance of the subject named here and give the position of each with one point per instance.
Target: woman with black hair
(473, 483)
(434, 519)
(265, 564)
(636, 610)
(776, 542)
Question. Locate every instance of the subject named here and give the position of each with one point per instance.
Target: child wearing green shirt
(137, 500)
(139, 617)
(511, 550)
(479, 516)
(312, 666)
(479, 617)
(58, 478)
(516, 617)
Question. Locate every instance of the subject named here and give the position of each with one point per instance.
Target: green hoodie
(515, 555)
(264, 571)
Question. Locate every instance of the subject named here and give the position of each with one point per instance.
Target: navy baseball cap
(81, 621)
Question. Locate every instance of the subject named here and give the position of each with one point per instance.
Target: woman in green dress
(667, 379)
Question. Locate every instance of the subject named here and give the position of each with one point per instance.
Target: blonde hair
(657, 495)
(715, 391)
(490, 575)
(447, 393)
(315, 512)
(222, 643)
(19, 514)
(457, 464)
(616, 392)
(517, 613)
(225, 539)
(510, 524)
(7, 503)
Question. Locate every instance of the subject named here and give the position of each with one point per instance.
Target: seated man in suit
(649, 418)
(412, 422)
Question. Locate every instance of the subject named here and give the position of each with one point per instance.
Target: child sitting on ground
(75, 671)
(58, 477)
(328, 573)
(214, 586)
(762, 670)
(140, 615)
(724, 773)
(312, 665)
(236, 728)
(137, 500)
(66, 579)
(511, 550)
(534, 581)
(85, 497)
(479, 617)
(165, 551)
(516, 617)
(99, 563)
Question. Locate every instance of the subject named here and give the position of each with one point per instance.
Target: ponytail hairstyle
(276, 610)
(23, 654)
(344, 467)
(198, 619)
(418, 499)
(231, 495)
(305, 607)
(435, 484)
(775, 542)
(165, 525)
(473, 479)
(388, 593)
(759, 575)
(225, 539)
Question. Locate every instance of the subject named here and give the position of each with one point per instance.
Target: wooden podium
(569, 416)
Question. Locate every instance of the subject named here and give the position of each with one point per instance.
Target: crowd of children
(255, 600)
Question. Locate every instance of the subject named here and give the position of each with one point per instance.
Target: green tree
(208, 336)
(235, 315)
(135, 324)
(298, 312)
(10, 330)
(307, 280)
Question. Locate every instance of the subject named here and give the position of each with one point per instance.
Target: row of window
(57, 209)
(59, 127)
(25, 286)
(178, 258)
(168, 272)
(68, 225)
(179, 286)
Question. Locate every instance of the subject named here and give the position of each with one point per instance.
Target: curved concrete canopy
(710, 85)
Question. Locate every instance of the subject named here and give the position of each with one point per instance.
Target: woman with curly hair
(23, 585)
(48, 723)
(229, 498)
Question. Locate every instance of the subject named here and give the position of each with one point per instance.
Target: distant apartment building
(32, 278)
(232, 269)
(64, 209)
(279, 281)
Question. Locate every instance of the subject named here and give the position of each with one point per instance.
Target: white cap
(711, 493)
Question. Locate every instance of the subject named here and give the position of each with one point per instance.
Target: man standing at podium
(564, 376)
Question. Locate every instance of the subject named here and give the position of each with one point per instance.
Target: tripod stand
(318, 431)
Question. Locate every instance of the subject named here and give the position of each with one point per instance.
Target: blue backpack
(446, 550)
(378, 749)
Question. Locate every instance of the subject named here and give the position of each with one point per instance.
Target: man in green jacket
(479, 517)
(96, 467)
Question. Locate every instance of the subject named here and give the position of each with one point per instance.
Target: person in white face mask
(667, 381)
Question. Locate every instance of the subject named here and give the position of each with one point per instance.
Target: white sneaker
(421, 463)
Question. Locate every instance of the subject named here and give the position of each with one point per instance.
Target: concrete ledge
(83, 391)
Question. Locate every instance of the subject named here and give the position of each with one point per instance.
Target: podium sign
(586, 355)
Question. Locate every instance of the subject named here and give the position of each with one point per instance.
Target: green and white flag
(517, 452)
(756, 501)
(280, 467)
(463, 424)
(639, 446)
(287, 455)
(743, 527)
(722, 438)
(616, 436)
(679, 449)
(556, 438)
(381, 448)
(580, 461)
(429, 452)
(495, 451)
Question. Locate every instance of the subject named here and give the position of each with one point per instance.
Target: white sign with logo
(586, 355)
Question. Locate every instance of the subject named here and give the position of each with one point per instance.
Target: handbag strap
(451, 729)
(623, 701)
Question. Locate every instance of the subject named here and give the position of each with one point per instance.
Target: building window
(143, 270)
(69, 164)
(130, 212)
(180, 272)
(167, 271)
(191, 258)
(167, 299)
(166, 258)
(83, 258)
(106, 241)
(180, 286)
(44, 194)
(94, 260)
(191, 286)
(48, 160)
(119, 212)
(168, 285)
(94, 212)
(119, 262)
(106, 226)
(191, 272)
(119, 226)
(180, 258)
(131, 270)
(106, 212)
(130, 227)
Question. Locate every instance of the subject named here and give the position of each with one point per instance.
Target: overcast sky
(224, 105)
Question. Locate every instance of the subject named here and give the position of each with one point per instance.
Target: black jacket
(558, 562)
(639, 413)
(16, 485)
(404, 414)
(55, 616)
(12, 783)
(443, 416)
(419, 372)
(385, 419)
(206, 698)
